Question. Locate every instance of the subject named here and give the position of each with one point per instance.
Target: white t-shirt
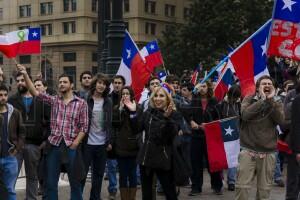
(97, 136)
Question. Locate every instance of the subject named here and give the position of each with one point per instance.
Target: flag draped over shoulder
(249, 60)
(133, 67)
(26, 41)
(223, 143)
(284, 35)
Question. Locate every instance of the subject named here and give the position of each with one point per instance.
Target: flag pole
(214, 69)
(235, 50)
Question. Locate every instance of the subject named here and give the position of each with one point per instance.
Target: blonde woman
(155, 153)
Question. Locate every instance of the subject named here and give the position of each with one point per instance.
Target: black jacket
(294, 140)
(156, 142)
(16, 129)
(125, 141)
(200, 116)
(36, 121)
(107, 109)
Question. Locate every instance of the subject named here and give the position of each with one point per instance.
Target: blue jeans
(231, 175)
(8, 176)
(127, 169)
(112, 175)
(277, 172)
(54, 158)
(95, 156)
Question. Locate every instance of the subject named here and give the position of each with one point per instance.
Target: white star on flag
(264, 48)
(128, 53)
(229, 131)
(152, 47)
(34, 34)
(288, 4)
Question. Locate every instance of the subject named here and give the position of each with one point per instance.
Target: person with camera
(260, 114)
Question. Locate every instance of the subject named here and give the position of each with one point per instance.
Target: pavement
(277, 193)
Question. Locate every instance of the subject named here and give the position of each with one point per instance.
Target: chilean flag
(152, 55)
(249, 60)
(285, 38)
(133, 67)
(195, 74)
(223, 143)
(224, 83)
(27, 41)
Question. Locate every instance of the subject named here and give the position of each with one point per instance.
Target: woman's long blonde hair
(169, 97)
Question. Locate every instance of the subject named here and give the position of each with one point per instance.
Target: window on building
(126, 25)
(94, 56)
(126, 6)
(26, 59)
(95, 5)
(70, 5)
(150, 28)
(170, 10)
(69, 57)
(186, 12)
(23, 27)
(69, 27)
(25, 11)
(150, 6)
(71, 71)
(1, 13)
(94, 70)
(1, 60)
(46, 8)
(95, 27)
(1, 31)
(46, 29)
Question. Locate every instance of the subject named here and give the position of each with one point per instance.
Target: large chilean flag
(249, 60)
(133, 67)
(27, 41)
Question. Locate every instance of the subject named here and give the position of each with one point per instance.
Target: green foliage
(212, 27)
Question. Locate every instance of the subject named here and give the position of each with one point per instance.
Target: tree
(212, 27)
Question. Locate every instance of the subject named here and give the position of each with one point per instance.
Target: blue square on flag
(161, 74)
(152, 47)
(230, 130)
(287, 10)
(34, 34)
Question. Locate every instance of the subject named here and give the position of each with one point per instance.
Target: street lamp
(115, 36)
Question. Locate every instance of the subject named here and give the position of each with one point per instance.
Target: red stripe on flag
(21, 48)
(215, 147)
(154, 60)
(243, 62)
(220, 90)
(139, 75)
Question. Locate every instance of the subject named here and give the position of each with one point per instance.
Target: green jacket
(259, 121)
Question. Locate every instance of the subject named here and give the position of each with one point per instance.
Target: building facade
(69, 31)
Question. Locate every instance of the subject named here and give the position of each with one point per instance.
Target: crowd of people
(97, 131)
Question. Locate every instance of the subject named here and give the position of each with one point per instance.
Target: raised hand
(130, 105)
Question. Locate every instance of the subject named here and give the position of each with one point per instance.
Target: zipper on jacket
(147, 144)
(165, 153)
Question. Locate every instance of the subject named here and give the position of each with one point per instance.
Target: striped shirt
(67, 120)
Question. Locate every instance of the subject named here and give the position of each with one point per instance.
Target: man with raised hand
(69, 123)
